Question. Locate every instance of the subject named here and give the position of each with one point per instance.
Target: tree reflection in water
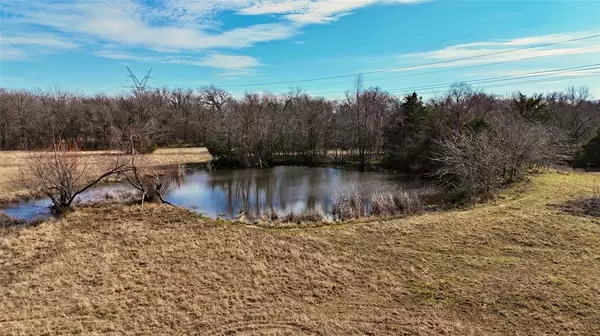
(281, 190)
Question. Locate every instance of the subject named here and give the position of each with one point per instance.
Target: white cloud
(535, 72)
(163, 31)
(175, 25)
(19, 46)
(125, 56)
(37, 40)
(312, 11)
(8, 52)
(229, 64)
(502, 51)
(525, 41)
(129, 23)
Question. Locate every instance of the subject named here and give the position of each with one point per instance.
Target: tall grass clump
(395, 203)
(352, 205)
(348, 205)
(308, 216)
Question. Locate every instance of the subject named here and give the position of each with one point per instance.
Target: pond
(256, 192)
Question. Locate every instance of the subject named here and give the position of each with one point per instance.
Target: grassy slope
(514, 267)
(12, 161)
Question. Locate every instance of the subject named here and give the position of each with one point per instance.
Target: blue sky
(266, 45)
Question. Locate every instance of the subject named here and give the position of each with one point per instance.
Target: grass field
(12, 161)
(516, 266)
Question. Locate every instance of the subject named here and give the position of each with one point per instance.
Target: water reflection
(39, 209)
(255, 192)
(281, 190)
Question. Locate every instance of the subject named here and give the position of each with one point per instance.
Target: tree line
(470, 139)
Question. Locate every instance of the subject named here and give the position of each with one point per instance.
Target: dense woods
(470, 139)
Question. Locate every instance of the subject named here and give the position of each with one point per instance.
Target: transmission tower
(139, 85)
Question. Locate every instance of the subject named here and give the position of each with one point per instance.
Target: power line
(551, 79)
(501, 52)
(554, 79)
(441, 31)
(501, 78)
(460, 68)
(435, 63)
(117, 86)
(503, 21)
(560, 79)
(509, 78)
(471, 66)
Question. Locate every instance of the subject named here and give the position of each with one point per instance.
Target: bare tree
(581, 118)
(469, 161)
(480, 160)
(151, 182)
(359, 119)
(261, 129)
(61, 173)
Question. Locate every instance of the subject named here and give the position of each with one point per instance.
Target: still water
(256, 192)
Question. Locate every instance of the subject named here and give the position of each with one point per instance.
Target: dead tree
(150, 181)
(62, 173)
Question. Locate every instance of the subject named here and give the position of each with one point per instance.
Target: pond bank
(514, 264)
(276, 193)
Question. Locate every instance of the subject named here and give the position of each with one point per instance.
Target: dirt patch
(582, 207)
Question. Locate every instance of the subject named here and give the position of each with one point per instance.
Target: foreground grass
(11, 162)
(513, 267)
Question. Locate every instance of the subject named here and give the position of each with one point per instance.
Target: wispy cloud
(311, 11)
(179, 25)
(19, 46)
(46, 41)
(166, 26)
(229, 64)
(132, 24)
(9, 52)
(535, 72)
(525, 41)
(503, 51)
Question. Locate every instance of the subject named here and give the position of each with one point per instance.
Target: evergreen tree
(406, 134)
(590, 153)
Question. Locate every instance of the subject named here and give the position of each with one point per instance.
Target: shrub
(478, 125)
(477, 163)
(470, 161)
(152, 148)
(590, 153)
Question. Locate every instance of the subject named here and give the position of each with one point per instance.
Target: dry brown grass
(12, 161)
(515, 267)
